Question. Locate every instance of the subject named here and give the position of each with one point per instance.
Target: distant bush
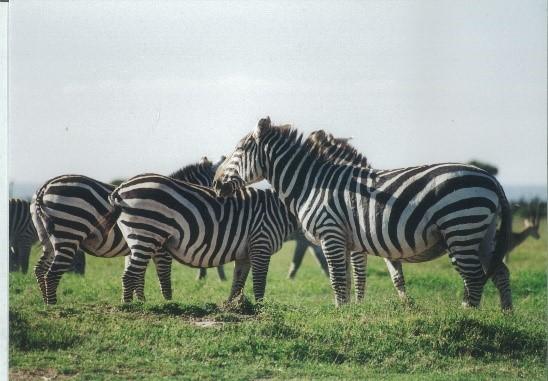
(117, 182)
(489, 168)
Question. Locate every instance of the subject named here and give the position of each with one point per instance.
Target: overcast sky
(113, 89)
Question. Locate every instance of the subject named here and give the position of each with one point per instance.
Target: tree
(491, 169)
(117, 182)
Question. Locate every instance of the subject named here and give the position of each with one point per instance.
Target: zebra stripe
(199, 229)
(68, 211)
(22, 234)
(406, 214)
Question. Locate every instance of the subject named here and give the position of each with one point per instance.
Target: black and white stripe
(22, 235)
(409, 214)
(67, 212)
(199, 229)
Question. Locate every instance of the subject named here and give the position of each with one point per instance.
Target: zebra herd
(204, 215)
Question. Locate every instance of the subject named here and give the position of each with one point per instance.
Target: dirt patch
(207, 323)
(38, 374)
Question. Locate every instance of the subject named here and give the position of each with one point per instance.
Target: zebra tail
(503, 239)
(106, 224)
(42, 223)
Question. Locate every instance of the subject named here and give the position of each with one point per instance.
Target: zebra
(199, 229)
(22, 234)
(66, 211)
(410, 214)
(339, 151)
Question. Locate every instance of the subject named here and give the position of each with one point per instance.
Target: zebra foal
(409, 214)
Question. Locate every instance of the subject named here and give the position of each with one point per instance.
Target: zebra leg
(470, 269)
(359, 269)
(42, 267)
(24, 255)
(221, 272)
(396, 274)
(241, 270)
(501, 279)
(79, 263)
(334, 248)
(300, 249)
(320, 258)
(136, 293)
(260, 261)
(163, 260)
(202, 273)
(62, 262)
(13, 259)
(133, 279)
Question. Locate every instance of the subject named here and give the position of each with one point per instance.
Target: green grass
(296, 334)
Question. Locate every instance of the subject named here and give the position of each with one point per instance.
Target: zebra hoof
(468, 305)
(507, 309)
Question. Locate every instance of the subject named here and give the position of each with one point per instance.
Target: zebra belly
(429, 254)
(202, 254)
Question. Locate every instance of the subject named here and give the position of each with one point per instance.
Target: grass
(295, 334)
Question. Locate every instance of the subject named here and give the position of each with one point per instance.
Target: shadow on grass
(26, 336)
(227, 312)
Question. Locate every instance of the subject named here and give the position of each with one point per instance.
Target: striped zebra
(66, 212)
(410, 214)
(22, 235)
(199, 229)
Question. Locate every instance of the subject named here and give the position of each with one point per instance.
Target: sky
(114, 89)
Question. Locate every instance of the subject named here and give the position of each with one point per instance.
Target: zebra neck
(289, 170)
(518, 238)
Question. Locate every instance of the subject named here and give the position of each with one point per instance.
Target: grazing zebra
(199, 229)
(22, 235)
(531, 226)
(66, 212)
(410, 214)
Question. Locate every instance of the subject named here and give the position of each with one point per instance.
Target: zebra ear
(261, 127)
(205, 161)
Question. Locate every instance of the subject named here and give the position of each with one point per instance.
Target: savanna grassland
(296, 334)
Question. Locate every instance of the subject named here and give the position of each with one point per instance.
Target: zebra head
(244, 165)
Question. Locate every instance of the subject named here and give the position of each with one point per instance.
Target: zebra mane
(337, 149)
(189, 171)
(320, 144)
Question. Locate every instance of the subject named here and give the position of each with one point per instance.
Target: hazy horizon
(112, 90)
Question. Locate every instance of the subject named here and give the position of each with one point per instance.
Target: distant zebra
(66, 211)
(410, 214)
(22, 235)
(301, 244)
(199, 229)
